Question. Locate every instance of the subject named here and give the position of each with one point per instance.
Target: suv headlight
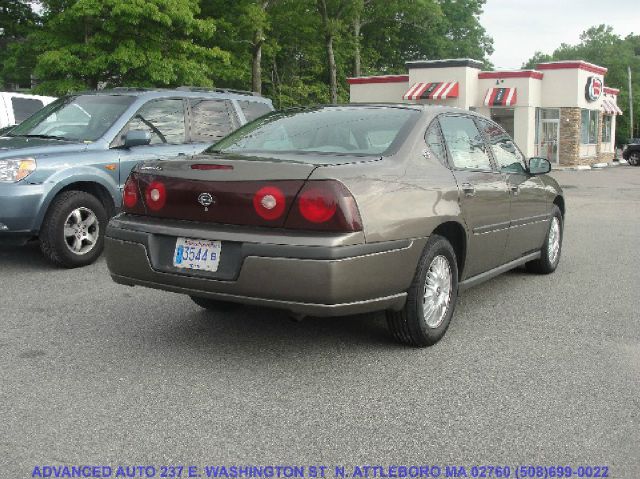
(16, 169)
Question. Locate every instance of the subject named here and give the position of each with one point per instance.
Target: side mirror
(538, 166)
(136, 138)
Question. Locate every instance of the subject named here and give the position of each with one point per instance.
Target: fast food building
(561, 111)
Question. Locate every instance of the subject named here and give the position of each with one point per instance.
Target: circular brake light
(269, 203)
(317, 205)
(156, 195)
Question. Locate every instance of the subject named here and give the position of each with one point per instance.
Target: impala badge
(206, 200)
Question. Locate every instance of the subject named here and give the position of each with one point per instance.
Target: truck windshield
(348, 130)
(76, 118)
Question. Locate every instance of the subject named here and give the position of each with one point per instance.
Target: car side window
(435, 142)
(212, 120)
(253, 109)
(466, 145)
(505, 153)
(163, 119)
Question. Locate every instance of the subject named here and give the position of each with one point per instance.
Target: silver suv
(62, 170)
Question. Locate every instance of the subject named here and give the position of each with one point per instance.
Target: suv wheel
(634, 158)
(72, 233)
(431, 298)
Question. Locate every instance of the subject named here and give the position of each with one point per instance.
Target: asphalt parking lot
(533, 370)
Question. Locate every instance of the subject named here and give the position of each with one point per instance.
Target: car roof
(430, 109)
(185, 92)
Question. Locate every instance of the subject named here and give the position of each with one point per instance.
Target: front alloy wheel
(81, 231)
(72, 233)
(552, 247)
(634, 159)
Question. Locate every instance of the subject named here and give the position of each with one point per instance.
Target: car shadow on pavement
(263, 328)
(247, 329)
(23, 258)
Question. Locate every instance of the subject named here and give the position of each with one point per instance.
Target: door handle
(468, 189)
(515, 189)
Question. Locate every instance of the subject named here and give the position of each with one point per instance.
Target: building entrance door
(548, 140)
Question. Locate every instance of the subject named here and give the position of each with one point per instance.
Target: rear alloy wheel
(552, 247)
(214, 305)
(634, 159)
(431, 299)
(72, 233)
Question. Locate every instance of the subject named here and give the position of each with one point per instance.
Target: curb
(595, 166)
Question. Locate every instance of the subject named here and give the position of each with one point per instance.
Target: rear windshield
(358, 131)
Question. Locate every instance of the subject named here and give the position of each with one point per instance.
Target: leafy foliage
(17, 20)
(285, 48)
(600, 45)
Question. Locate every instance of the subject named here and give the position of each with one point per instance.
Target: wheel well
(95, 189)
(456, 235)
(559, 202)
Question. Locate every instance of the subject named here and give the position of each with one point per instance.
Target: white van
(16, 107)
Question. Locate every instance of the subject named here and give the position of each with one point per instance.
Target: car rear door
(484, 197)
(529, 216)
(211, 120)
(165, 120)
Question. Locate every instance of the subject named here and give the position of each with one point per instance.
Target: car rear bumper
(329, 278)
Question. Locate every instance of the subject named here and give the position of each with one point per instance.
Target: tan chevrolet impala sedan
(342, 210)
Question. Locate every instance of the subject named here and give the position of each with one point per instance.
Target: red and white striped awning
(432, 91)
(610, 108)
(501, 97)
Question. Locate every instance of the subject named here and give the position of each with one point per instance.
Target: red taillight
(155, 195)
(317, 205)
(269, 202)
(130, 193)
(324, 205)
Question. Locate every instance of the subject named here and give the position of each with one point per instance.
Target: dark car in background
(341, 210)
(631, 152)
(62, 170)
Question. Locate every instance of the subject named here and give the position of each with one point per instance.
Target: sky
(521, 27)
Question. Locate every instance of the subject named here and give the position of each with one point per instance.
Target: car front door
(165, 121)
(529, 218)
(484, 198)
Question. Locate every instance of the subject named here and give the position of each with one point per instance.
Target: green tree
(461, 34)
(602, 46)
(17, 21)
(243, 29)
(114, 43)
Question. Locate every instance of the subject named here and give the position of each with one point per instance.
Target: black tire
(52, 234)
(634, 158)
(214, 305)
(409, 326)
(545, 265)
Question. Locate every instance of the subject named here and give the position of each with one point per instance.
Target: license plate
(203, 255)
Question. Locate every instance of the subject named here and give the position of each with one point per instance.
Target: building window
(544, 114)
(504, 118)
(606, 129)
(589, 127)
